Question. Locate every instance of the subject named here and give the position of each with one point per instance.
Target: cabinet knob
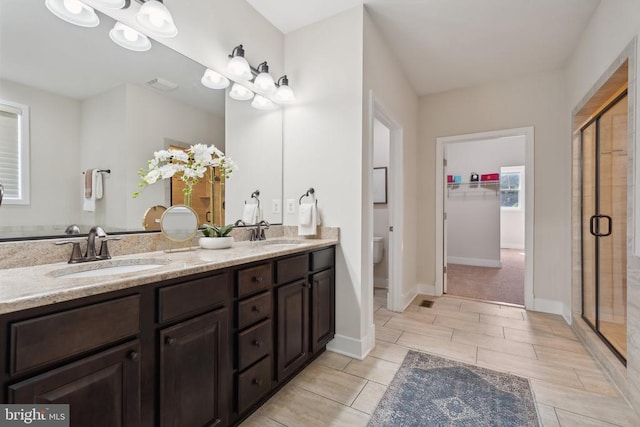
(256, 309)
(257, 381)
(257, 279)
(257, 343)
(307, 285)
(133, 355)
(170, 341)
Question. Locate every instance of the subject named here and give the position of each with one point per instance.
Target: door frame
(395, 200)
(441, 142)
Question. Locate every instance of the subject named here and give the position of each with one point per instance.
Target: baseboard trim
(357, 349)
(515, 246)
(476, 262)
(426, 289)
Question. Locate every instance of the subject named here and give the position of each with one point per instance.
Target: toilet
(378, 249)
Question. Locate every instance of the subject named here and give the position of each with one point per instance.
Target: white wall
(537, 100)
(381, 140)
(473, 213)
(55, 171)
(323, 149)
(385, 80)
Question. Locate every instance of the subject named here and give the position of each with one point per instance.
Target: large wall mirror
(91, 106)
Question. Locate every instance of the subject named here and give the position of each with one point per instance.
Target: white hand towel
(92, 189)
(312, 228)
(249, 213)
(304, 213)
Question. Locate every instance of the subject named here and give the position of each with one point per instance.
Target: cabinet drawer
(291, 269)
(254, 309)
(253, 384)
(254, 279)
(253, 344)
(322, 259)
(184, 298)
(46, 339)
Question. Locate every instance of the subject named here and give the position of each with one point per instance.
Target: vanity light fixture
(240, 93)
(73, 11)
(112, 4)
(284, 93)
(128, 38)
(261, 103)
(214, 80)
(263, 80)
(154, 17)
(238, 67)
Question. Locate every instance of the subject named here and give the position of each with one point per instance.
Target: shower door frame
(596, 119)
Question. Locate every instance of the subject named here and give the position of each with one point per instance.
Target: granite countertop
(29, 287)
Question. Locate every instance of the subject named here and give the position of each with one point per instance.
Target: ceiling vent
(162, 84)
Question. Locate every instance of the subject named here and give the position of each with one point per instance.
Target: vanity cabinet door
(322, 309)
(101, 390)
(292, 303)
(194, 372)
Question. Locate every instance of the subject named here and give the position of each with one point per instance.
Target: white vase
(216, 242)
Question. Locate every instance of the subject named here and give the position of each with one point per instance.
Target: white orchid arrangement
(191, 164)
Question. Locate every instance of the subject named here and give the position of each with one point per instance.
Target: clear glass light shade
(240, 93)
(214, 80)
(129, 38)
(239, 67)
(261, 103)
(113, 4)
(284, 94)
(265, 83)
(156, 19)
(74, 12)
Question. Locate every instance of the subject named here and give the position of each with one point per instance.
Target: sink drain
(426, 303)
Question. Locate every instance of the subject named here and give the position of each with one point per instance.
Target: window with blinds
(14, 152)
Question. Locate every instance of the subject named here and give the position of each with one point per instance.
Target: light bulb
(214, 80)
(73, 6)
(129, 38)
(131, 34)
(240, 93)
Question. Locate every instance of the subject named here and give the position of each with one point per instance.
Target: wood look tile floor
(569, 386)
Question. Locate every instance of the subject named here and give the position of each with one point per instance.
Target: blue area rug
(432, 391)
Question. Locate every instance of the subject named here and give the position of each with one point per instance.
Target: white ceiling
(448, 44)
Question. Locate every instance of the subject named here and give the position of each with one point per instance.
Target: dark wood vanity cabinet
(206, 349)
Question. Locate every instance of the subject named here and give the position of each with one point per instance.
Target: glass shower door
(604, 225)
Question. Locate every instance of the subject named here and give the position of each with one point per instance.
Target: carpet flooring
(504, 284)
(433, 391)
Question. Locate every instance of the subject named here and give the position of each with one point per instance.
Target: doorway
(381, 212)
(485, 194)
(492, 190)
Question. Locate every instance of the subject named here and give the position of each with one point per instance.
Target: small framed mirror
(179, 223)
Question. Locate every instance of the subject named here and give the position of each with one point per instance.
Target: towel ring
(255, 195)
(309, 193)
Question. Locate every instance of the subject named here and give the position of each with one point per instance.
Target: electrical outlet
(275, 206)
(291, 206)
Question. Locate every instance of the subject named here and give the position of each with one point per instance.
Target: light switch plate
(291, 206)
(275, 206)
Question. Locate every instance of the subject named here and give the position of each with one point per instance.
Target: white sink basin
(108, 268)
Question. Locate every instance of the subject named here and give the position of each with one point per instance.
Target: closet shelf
(473, 189)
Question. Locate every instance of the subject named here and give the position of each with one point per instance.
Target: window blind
(10, 151)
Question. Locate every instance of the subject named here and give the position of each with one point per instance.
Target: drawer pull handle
(257, 343)
(257, 279)
(170, 341)
(257, 381)
(256, 309)
(133, 355)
